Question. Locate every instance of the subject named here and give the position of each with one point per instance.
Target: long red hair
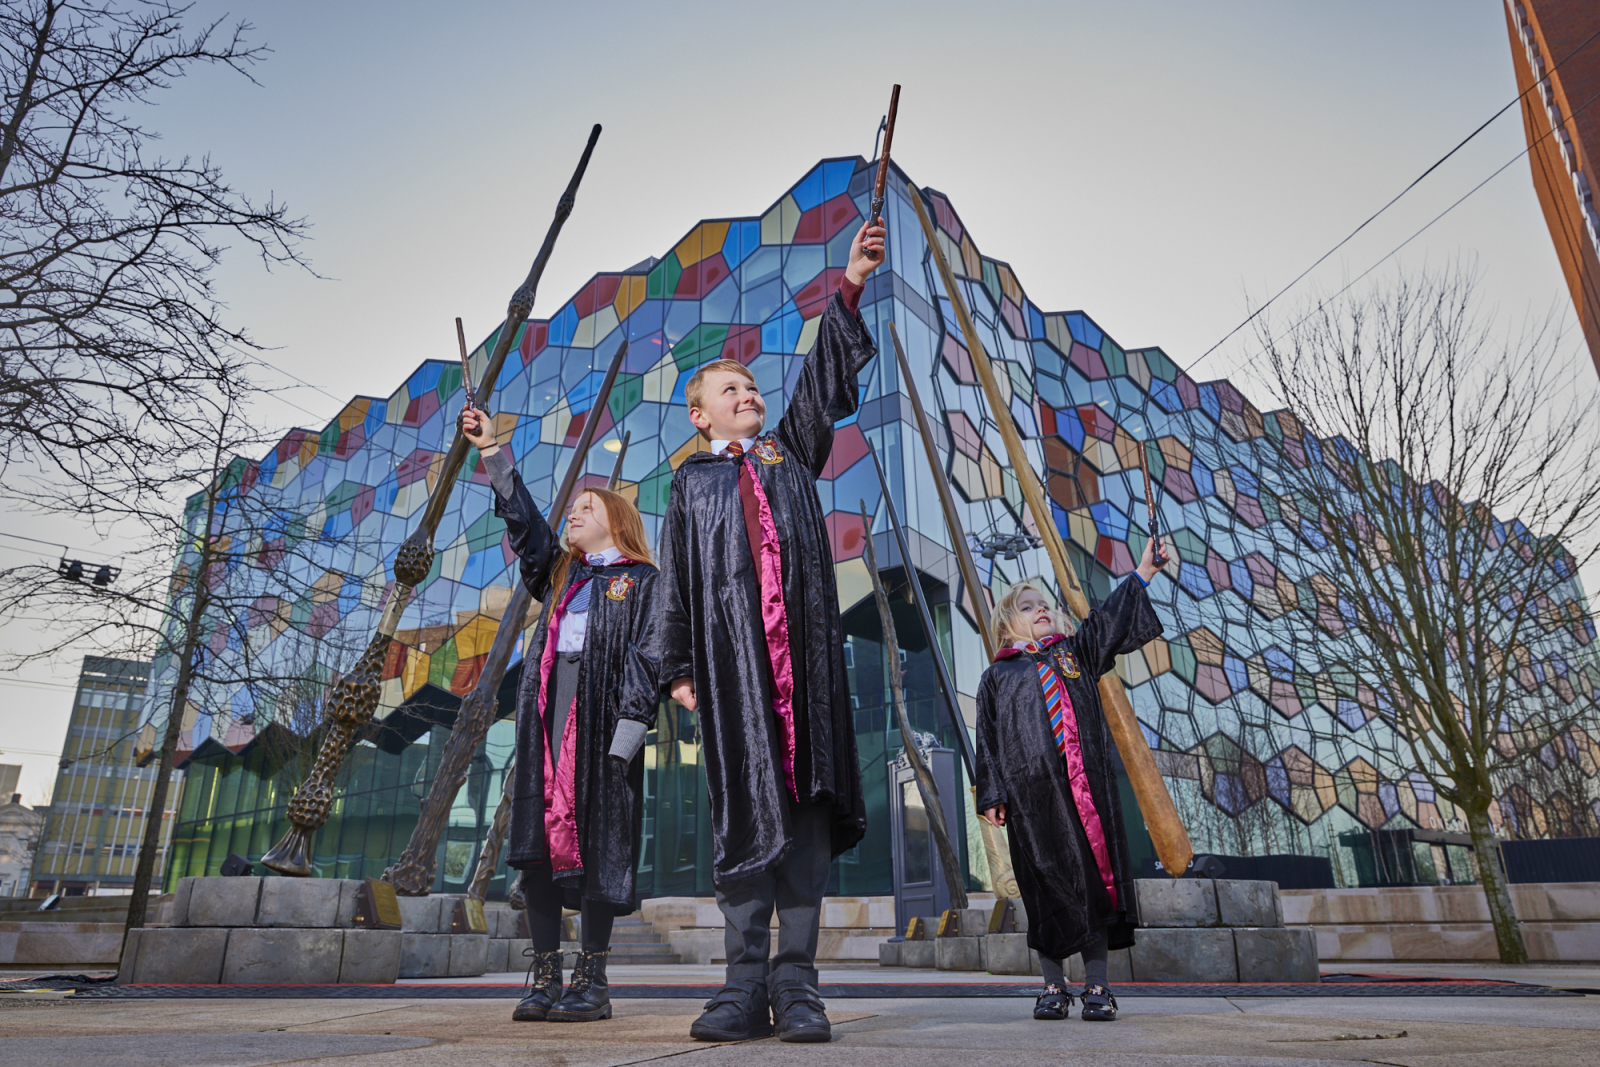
(627, 533)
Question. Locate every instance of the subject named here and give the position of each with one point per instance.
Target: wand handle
(466, 371)
(875, 213)
(1150, 503)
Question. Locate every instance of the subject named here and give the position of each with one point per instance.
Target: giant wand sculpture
(1171, 840)
(353, 700)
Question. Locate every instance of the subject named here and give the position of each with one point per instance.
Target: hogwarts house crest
(766, 450)
(1067, 665)
(619, 586)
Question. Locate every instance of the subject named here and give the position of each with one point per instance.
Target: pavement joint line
(335, 1019)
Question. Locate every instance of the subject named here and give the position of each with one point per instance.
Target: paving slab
(1152, 1032)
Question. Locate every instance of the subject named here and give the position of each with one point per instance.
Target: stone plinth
(1560, 922)
(294, 931)
(1192, 930)
(60, 944)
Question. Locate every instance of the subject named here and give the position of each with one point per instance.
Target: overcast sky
(1157, 165)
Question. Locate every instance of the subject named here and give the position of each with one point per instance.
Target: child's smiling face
(731, 407)
(1037, 613)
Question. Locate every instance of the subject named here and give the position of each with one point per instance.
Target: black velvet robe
(1020, 766)
(711, 626)
(617, 680)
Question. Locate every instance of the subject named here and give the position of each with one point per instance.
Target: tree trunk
(155, 810)
(1507, 934)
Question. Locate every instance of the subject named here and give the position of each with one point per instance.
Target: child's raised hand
(1150, 563)
(683, 692)
(996, 816)
(867, 239)
(475, 428)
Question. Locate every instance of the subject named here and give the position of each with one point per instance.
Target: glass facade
(1266, 748)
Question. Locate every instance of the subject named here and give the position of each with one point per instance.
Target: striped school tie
(1055, 703)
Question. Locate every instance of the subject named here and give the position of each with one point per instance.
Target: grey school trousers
(795, 887)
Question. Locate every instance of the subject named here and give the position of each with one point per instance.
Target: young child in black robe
(1046, 774)
(750, 637)
(589, 693)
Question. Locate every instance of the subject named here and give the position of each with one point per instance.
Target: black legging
(543, 898)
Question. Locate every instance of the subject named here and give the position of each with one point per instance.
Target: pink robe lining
(1082, 798)
(560, 815)
(775, 622)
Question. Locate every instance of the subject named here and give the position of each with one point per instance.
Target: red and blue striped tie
(1064, 724)
(1055, 704)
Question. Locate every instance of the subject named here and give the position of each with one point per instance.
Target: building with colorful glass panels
(1268, 748)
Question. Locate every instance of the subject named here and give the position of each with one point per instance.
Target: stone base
(259, 956)
(956, 953)
(60, 944)
(1184, 955)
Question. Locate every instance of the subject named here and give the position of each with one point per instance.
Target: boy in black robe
(749, 635)
(1045, 773)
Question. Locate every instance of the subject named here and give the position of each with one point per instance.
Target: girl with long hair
(1046, 773)
(588, 696)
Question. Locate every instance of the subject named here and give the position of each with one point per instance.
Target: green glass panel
(1183, 662)
(1115, 359)
(662, 281)
(449, 380)
(626, 394)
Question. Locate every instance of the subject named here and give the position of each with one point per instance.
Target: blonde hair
(694, 392)
(1007, 622)
(627, 533)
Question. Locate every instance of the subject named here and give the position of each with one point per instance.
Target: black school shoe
(799, 1013)
(1054, 1003)
(589, 994)
(1099, 1006)
(544, 975)
(738, 1012)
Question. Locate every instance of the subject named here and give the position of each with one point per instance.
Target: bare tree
(1435, 503)
(107, 307)
(211, 583)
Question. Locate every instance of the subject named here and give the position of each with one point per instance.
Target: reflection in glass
(918, 843)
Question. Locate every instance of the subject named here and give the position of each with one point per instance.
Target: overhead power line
(1396, 198)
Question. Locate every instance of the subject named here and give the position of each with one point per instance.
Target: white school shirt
(719, 447)
(575, 624)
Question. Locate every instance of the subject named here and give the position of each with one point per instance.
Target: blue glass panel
(1035, 321)
(1051, 391)
(723, 303)
(562, 327)
(1242, 582)
(758, 304)
(808, 194)
(1083, 330)
(682, 316)
(836, 177)
(803, 263)
(762, 265)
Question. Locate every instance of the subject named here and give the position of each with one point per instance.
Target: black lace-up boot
(589, 994)
(738, 1012)
(544, 978)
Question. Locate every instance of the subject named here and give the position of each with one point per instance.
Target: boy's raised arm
(827, 389)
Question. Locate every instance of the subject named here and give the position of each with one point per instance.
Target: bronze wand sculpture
(354, 698)
(1167, 833)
